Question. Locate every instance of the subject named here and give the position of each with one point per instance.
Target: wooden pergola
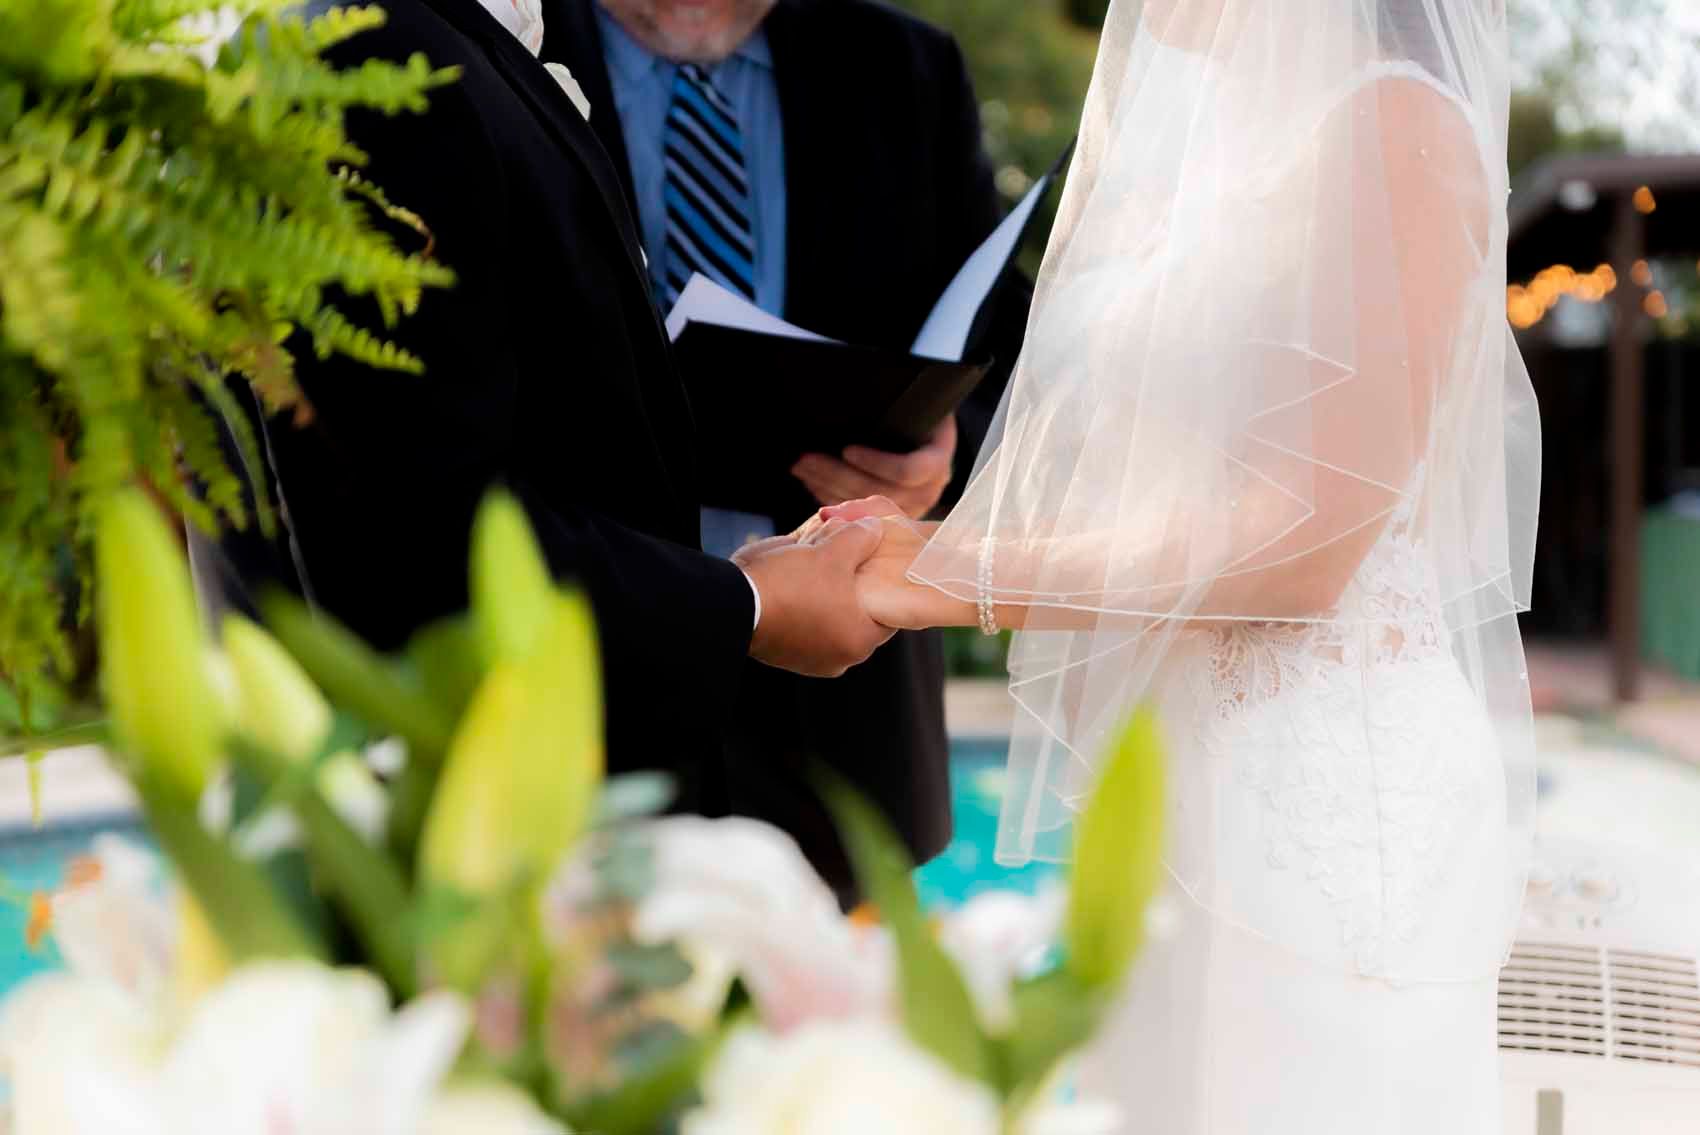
(1618, 209)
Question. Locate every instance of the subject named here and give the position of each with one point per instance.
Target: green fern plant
(167, 216)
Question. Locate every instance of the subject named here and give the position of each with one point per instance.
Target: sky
(1634, 64)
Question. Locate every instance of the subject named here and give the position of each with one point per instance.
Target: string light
(1644, 200)
(1527, 304)
(1642, 273)
(1655, 305)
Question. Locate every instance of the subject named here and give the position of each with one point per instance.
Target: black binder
(765, 393)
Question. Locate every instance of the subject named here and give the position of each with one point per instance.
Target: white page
(945, 334)
(704, 301)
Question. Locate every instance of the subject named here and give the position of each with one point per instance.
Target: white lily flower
(838, 1078)
(996, 938)
(279, 1046)
(106, 1049)
(80, 1058)
(850, 1077)
(298, 1047)
(742, 890)
(487, 1109)
(1076, 1117)
(114, 925)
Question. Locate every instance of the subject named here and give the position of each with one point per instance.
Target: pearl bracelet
(987, 609)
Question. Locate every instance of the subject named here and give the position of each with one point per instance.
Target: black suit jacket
(888, 190)
(548, 371)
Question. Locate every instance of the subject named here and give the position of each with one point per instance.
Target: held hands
(883, 587)
(812, 620)
(912, 483)
(838, 588)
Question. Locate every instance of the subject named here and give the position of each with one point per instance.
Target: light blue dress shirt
(643, 91)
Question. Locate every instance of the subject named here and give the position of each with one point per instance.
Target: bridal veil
(1268, 332)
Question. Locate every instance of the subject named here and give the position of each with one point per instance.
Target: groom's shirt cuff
(755, 591)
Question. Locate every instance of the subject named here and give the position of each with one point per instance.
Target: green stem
(366, 884)
(357, 678)
(250, 918)
(410, 803)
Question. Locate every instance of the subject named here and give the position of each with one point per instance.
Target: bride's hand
(879, 508)
(883, 586)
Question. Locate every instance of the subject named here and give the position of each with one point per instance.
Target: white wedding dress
(1268, 350)
(1358, 804)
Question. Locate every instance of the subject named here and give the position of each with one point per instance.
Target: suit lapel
(572, 35)
(533, 83)
(538, 89)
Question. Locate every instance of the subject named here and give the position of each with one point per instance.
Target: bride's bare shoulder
(1416, 113)
(1426, 147)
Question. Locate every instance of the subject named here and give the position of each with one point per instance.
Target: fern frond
(41, 313)
(164, 223)
(369, 191)
(338, 25)
(56, 42)
(218, 396)
(190, 467)
(332, 334)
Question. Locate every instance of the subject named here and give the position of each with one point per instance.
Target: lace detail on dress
(1355, 735)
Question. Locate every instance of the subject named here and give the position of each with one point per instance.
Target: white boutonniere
(524, 20)
(570, 85)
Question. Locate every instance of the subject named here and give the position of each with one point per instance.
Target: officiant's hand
(811, 616)
(912, 481)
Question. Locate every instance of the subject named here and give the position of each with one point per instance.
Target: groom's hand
(811, 621)
(913, 481)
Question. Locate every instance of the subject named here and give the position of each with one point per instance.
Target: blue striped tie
(706, 191)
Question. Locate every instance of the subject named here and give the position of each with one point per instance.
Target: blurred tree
(1629, 66)
(1536, 133)
(1030, 66)
(1534, 130)
(1088, 13)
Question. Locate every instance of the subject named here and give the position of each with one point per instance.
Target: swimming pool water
(966, 867)
(33, 861)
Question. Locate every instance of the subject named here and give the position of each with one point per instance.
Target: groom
(547, 370)
(861, 185)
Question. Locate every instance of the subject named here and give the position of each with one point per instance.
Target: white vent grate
(1586, 1001)
(1552, 999)
(1655, 1007)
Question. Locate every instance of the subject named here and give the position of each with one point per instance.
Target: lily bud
(1118, 850)
(165, 713)
(518, 785)
(279, 706)
(512, 595)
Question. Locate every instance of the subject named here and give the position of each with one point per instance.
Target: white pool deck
(74, 784)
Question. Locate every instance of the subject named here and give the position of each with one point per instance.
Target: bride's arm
(1308, 583)
(1428, 201)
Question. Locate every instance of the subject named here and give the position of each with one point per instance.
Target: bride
(1270, 463)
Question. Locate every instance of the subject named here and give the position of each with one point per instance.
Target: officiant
(823, 159)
